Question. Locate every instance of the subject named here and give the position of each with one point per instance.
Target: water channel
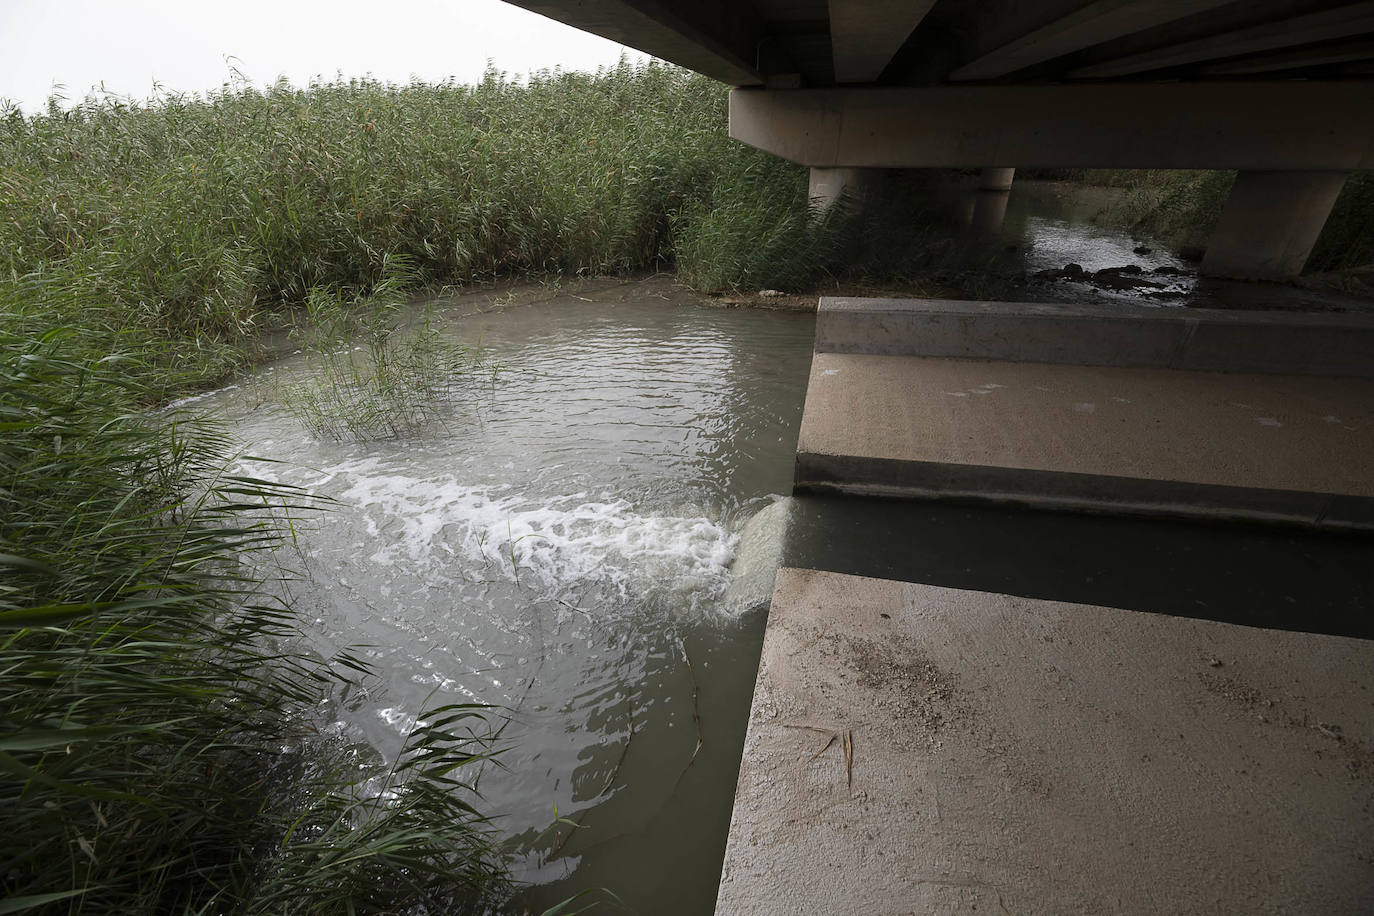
(560, 546)
(566, 544)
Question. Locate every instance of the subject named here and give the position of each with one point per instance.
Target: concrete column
(1270, 223)
(990, 201)
(996, 179)
(829, 185)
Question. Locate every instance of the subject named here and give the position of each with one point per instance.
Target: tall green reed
(1347, 239)
(374, 372)
(201, 216)
(205, 219)
(1180, 207)
(160, 740)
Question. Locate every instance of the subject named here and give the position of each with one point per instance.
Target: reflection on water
(561, 548)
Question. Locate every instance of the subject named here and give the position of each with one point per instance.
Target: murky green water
(561, 547)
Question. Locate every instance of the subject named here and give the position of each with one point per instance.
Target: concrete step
(1289, 343)
(916, 749)
(1287, 448)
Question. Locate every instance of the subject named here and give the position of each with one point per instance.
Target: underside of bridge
(929, 737)
(1282, 90)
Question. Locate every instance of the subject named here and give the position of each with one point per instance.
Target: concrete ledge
(1078, 492)
(1293, 449)
(1294, 343)
(914, 749)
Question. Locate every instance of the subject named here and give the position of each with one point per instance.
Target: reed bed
(160, 719)
(205, 218)
(202, 221)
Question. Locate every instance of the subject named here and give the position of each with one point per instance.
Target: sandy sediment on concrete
(915, 749)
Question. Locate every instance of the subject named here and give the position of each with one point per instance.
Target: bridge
(1157, 697)
(1281, 90)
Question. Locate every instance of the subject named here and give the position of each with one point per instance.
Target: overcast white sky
(131, 44)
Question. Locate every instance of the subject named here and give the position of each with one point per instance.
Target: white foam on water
(757, 559)
(429, 524)
(398, 719)
(197, 398)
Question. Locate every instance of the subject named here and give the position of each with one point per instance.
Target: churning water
(562, 546)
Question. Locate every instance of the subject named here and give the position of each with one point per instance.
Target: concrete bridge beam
(1270, 224)
(1312, 28)
(1297, 125)
(1087, 25)
(866, 34)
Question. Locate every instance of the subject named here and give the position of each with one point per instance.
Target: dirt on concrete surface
(1355, 748)
(907, 684)
(916, 749)
(806, 300)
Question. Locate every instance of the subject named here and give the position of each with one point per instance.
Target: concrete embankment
(1107, 715)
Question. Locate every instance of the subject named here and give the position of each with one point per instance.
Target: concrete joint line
(1184, 342)
(1321, 520)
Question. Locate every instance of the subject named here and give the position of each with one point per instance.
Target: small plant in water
(370, 376)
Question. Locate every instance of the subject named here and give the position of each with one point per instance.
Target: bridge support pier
(990, 201)
(1270, 224)
(828, 185)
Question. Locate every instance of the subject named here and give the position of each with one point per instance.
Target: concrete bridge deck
(1208, 444)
